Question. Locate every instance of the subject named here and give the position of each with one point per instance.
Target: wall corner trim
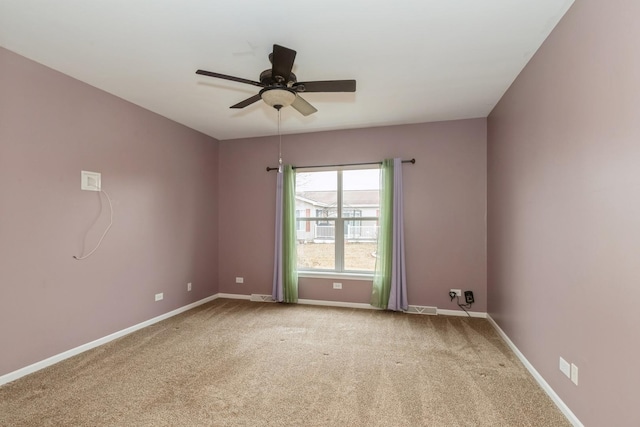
(12, 376)
(536, 375)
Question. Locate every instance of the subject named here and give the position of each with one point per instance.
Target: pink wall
(162, 178)
(445, 205)
(564, 210)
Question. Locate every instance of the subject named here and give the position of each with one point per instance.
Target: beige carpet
(240, 363)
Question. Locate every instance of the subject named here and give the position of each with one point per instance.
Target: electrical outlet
(565, 367)
(458, 292)
(574, 374)
(189, 287)
(337, 285)
(239, 279)
(159, 296)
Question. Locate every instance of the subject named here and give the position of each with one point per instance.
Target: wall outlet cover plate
(574, 374)
(90, 181)
(565, 367)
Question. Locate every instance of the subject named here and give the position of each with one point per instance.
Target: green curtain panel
(382, 275)
(289, 254)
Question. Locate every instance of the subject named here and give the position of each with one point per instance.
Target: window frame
(339, 220)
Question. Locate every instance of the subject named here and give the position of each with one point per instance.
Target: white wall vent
(421, 309)
(261, 298)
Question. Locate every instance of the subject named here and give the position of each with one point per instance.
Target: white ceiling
(414, 60)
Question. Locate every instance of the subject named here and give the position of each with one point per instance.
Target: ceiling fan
(280, 88)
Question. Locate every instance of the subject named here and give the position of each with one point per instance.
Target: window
(337, 214)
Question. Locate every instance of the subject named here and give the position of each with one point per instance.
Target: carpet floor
(242, 363)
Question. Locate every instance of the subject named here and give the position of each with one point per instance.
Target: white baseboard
(337, 304)
(545, 386)
(268, 298)
(12, 376)
(365, 306)
(462, 313)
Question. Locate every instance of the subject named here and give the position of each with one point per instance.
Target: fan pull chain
(279, 144)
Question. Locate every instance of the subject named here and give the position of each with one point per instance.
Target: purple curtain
(398, 294)
(278, 292)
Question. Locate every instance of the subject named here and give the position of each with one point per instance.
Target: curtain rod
(269, 169)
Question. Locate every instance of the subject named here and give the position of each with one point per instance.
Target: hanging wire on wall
(80, 258)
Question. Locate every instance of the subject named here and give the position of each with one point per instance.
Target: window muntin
(337, 213)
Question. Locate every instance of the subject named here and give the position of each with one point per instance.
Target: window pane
(316, 245)
(360, 256)
(313, 231)
(317, 194)
(361, 199)
(361, 231)
(361, 193)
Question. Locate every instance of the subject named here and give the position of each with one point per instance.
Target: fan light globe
(277, 96)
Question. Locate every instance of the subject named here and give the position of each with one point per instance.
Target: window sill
(334, 275)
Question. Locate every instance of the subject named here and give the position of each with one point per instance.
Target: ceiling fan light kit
(278, 98)
(280, 85)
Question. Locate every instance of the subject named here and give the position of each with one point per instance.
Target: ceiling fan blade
(303, 106)
(232, 78)
(247, 101)
(326, 86)
(282, 61)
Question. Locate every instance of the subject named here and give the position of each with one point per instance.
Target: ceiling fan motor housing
(267, 79)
